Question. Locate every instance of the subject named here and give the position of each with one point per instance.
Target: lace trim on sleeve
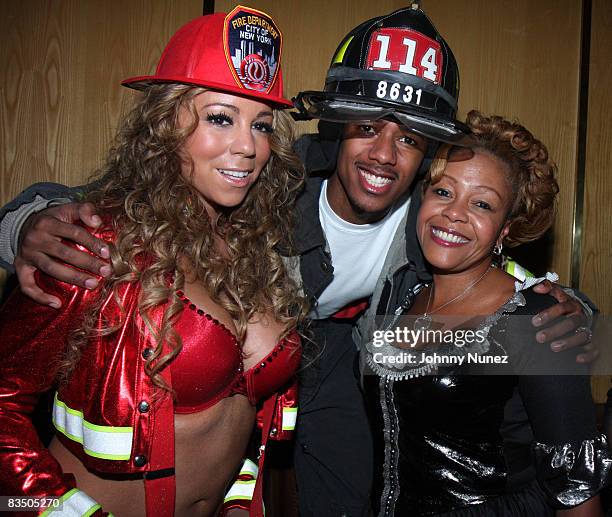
(573, 472)
(531, 281)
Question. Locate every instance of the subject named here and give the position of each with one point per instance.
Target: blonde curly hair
(530, 173)
(159, 217)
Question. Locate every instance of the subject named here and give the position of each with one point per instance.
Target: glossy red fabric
(108, 387)
(209, 346)
(209, 364)
(274, 370)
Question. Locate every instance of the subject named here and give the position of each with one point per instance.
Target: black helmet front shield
(348, 109)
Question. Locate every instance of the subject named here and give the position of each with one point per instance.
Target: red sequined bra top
(209, 366)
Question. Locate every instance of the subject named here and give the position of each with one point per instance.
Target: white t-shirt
(358, 253)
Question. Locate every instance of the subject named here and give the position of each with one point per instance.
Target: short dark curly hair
(530, 172)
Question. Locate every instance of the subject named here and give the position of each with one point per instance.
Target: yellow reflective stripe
(341, 51)
(249, 468)
(99, 441)
(289, 418)
(93, 510)
(240, 490)
(74, 503)
(517, 271)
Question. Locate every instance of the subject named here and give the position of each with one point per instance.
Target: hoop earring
(497, 249)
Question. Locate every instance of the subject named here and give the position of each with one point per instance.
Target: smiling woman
(498, 424)
(228, 148)
(465, 212)
(161, 369)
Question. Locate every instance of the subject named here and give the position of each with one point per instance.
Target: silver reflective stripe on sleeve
(99, 441)
(74, 503)
(241, 490)
(249, 468)
(289, 418)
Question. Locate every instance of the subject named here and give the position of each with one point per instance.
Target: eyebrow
(235, 109)
(483, 187)
(477, 187)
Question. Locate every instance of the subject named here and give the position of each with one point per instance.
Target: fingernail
(105, 270)
(536, 320)
(557, 346)
(91, 283)
(54, 304)
(96, 220)
(541, 337)
(104, 253)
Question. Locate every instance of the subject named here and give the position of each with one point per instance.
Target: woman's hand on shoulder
(41, 247)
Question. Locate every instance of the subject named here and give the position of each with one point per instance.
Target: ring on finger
(587, 330)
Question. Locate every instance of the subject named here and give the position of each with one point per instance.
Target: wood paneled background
(61, 62)
(61, 65)
(596, 253)
(521, 59)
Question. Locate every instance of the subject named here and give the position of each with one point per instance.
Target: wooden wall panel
(61, 62)
(521, 59)
(596, 267)
(596, 263)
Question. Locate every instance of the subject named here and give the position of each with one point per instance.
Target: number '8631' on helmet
(397, 66)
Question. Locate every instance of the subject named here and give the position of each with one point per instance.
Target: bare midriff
(209, 449)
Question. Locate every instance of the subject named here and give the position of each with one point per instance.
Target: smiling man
(376, 166)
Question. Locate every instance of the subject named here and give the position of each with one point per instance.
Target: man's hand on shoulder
(41, 247)
(564, 325)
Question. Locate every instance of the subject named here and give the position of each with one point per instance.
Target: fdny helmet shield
(253, 46)
(407, 51)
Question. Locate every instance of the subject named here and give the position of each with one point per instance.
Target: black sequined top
(476, 439)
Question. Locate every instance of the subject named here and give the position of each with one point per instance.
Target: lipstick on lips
(236, 177)
(447, 237)
(374, 182)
